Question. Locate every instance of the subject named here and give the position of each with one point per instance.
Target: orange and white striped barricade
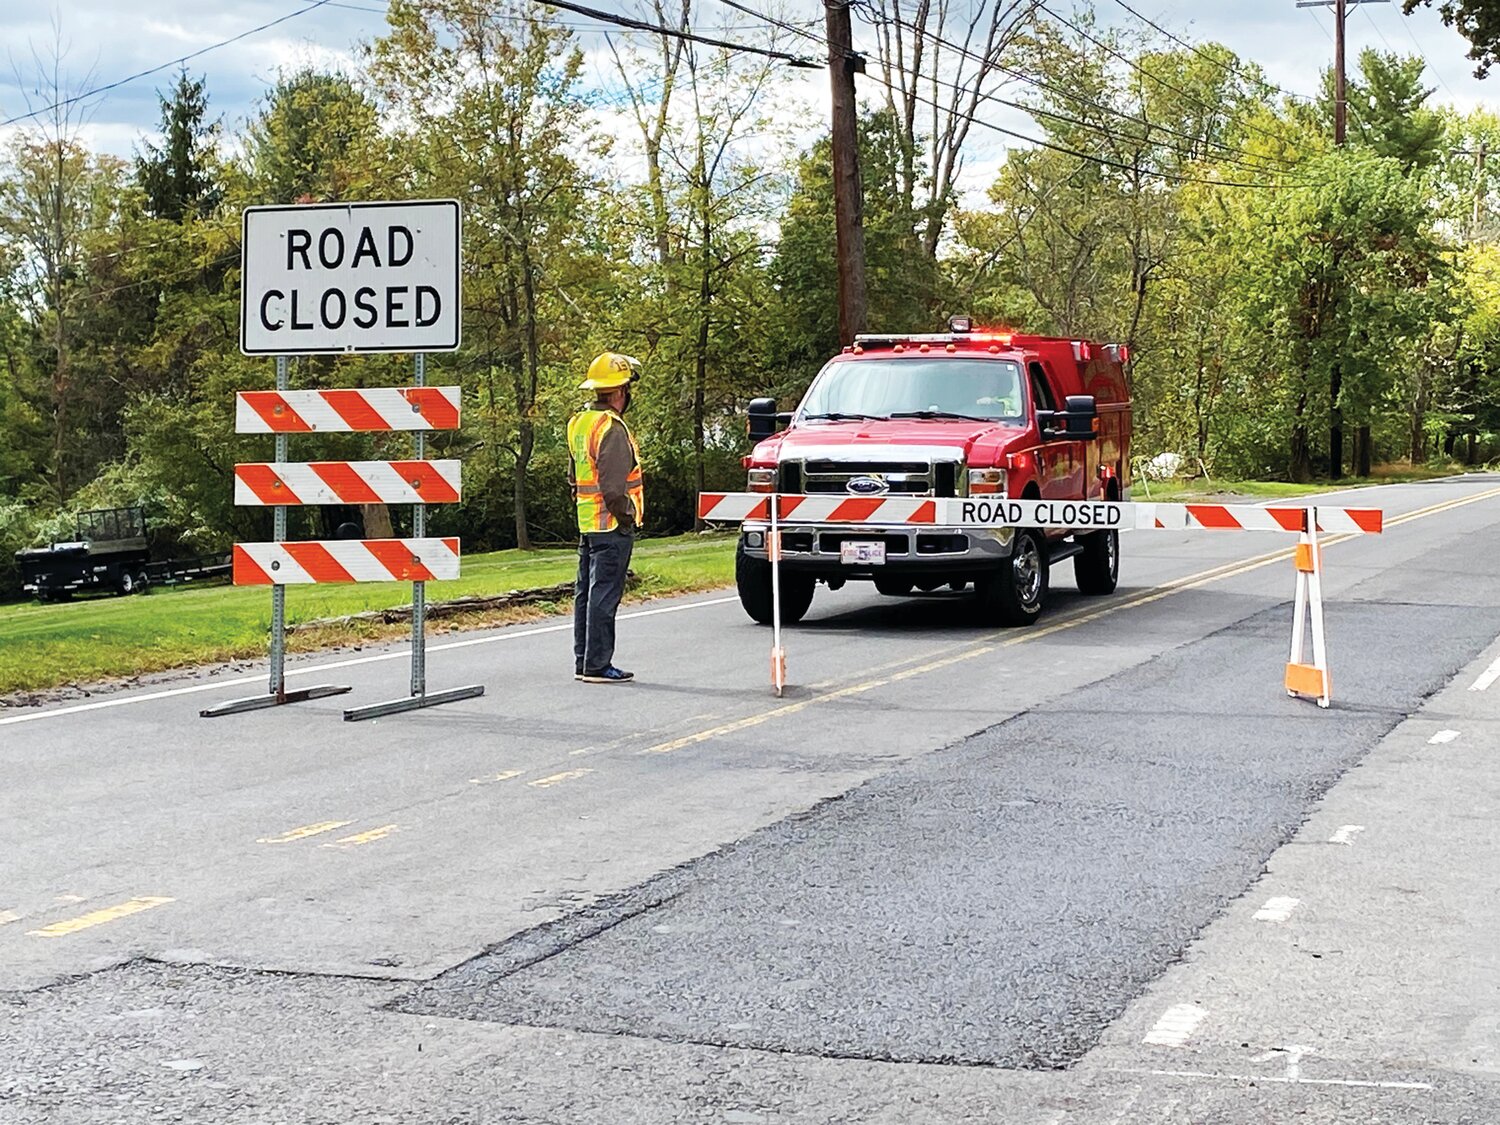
(281, 484)
(1301, 679)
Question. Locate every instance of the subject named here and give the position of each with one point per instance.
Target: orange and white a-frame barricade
(282, 484)
(1302, 679)
(1311, 680)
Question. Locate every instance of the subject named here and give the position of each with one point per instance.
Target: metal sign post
(419, 697)
(278, 695)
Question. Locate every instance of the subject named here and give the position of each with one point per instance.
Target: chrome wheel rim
(1026, 569)
(1112, 549)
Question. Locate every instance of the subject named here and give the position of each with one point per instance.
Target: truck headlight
(986, 482)
(762, 480)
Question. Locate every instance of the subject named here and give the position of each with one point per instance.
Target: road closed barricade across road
(1304, 676)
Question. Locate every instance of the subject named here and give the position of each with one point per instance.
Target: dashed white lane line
(1441, 737)
(1176, 1025)
(317, 669)
(1277, 909)
(1487, 677)
(1254, 1078)
(1346, 834)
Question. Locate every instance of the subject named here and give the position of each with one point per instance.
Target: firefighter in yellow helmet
(604, 470)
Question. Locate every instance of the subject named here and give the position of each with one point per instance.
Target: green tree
(317, 139)
(1387, 109)
(178, 176)
(1478, 21)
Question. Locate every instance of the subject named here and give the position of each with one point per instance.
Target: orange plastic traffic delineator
(1305, 679)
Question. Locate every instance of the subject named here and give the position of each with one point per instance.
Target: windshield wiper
(840, 416)
(940, 414)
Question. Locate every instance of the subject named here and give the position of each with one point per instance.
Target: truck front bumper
(914, 549)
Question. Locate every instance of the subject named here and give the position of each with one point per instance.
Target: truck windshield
(940, 387)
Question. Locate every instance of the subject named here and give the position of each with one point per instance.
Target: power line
(675, 33)
(155, 69)
(1135, 65)
(1198, 50)
(1079, 100)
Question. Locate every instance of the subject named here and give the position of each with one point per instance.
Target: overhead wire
(1072, 96)
(63, 103)
(1136, 65)
(676, 33)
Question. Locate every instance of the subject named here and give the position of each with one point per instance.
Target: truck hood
(904, 438)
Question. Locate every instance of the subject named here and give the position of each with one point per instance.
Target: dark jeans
(603, 559)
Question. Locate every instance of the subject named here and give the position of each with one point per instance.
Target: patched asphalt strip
(999, 902)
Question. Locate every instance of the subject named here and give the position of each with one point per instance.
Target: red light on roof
(1084, 350)
(1124, 353)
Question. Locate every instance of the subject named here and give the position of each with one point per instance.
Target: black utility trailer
(109, 553)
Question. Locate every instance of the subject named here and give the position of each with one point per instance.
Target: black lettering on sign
(966, 512)
(365, 248)
(368, 314)
(329, 321)
(1011, 513)
(393, 305)
(296, 324)
(437, 306)
(266, 300)
(338, 241)
(403, 235)
(297, 242)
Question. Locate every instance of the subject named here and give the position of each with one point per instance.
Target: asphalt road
(1098, 870)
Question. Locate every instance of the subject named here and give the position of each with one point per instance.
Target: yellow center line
(1167, 589)
(363, 837)
(557, 778)
(503, 775)
(98, 917)
(304, 832)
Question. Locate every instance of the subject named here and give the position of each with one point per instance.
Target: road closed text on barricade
(344, 277)
(1087, 515)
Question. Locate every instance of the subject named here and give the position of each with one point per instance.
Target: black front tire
(893, 586)
(752, 579)
(1097, 566)
(1016, 594)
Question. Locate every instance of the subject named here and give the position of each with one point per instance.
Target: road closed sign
(351, 277)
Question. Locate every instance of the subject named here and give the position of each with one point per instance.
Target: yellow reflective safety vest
(586, 433)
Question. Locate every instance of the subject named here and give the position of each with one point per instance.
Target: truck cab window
(1041, 394)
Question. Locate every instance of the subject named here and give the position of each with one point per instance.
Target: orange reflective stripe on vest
(586, 431)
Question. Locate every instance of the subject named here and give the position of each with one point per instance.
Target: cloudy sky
(105, 43)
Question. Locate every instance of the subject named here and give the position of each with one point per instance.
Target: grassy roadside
(92, 639)
(1188, 491)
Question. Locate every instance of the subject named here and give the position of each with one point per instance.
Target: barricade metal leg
(773, 551)
(278, 695)
(1302, 679)
(420, 696)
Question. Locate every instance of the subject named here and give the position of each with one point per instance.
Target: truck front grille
(902, 478)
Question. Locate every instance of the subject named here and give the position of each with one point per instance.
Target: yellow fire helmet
(611, 370)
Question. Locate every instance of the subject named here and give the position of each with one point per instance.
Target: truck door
(1054, 458)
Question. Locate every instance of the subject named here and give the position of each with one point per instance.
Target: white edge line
(1292, 1081)
(1486, 678)
(399, 654)
(1442, 736)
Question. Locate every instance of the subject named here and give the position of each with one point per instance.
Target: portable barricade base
(255, 703)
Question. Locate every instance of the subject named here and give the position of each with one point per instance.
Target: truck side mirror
(763, 418)
(1081, 416)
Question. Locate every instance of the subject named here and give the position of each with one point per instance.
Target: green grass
(92, 639)
(1180, 491)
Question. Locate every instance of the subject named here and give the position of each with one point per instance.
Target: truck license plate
(859, 553)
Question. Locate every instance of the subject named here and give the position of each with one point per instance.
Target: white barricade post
(309, 286)
(1302, 679)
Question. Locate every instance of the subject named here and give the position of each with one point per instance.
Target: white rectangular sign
(351, 277)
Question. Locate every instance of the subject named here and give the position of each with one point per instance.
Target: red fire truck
(969, 412)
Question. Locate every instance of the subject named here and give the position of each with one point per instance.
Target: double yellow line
(1009, 639)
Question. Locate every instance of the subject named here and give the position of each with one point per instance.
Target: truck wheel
(125, 582)
(752, 579)
(1097, 566)
(1015, 594)
(894, 586)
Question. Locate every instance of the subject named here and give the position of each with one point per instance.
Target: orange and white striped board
(346, 411)
(999, 512)
(345, 560)
(348, 482)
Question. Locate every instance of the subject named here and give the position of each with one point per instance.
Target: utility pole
(1340, 132)
(848, 193)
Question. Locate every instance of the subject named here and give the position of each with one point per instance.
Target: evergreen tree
(177, 176)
